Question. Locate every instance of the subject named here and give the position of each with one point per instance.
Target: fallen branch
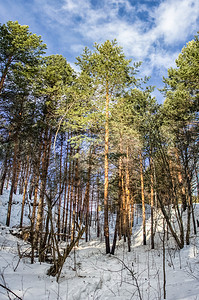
(58, 265)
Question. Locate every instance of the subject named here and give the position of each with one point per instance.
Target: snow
(89, 273)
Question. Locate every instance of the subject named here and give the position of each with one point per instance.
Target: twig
(132, 274)
(59, 125)
(5, 287)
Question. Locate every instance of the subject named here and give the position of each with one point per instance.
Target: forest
(86, 150)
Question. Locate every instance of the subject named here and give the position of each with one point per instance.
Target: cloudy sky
(153, 32)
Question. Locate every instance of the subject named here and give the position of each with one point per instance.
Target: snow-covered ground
(91, 274)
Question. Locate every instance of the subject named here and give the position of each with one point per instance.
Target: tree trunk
(5, 169)
(14, 167)
(60, 192)
(71, 199)
(75, 198)
(98, 198)
(68, 194)
(44, 172)
(152, 205)
(127, 192)
(17, 176)
(65, 191)
(143, 201)
(179, 242)
(24, 192)
(87, 196)
(120, 221)
(106, 181)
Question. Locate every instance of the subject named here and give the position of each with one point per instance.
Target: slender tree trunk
(71, 198)
(17, 175)
(132, 213)
(24, 192)
(9, 173)
(120, 221)
(164, 260)
(123, 211)
(45, 163)
(75, 199)
(143, 201)
(5, 170)
(87, 196)
(106, 181)
(127, 188)
(68, 194)
(179, 242)
(14, 167)
(190, 205)
(197, 181)
(188, 224)
(60, 194)
(152, 205)
(22, 177)
(115, 232)
(98, 198)
(65, 191)
(180, 180)
(35, 197)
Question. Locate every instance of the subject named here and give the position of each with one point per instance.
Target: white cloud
(163, 59)
(171, 21)
(77, 48)
(77, 7)
(175, 19)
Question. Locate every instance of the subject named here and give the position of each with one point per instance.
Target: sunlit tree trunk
(127, 192)
(106, 181)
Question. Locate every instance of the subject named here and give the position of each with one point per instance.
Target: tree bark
(24, 192)
(152, 205)
(5, 169)
(60, 193)
(87, 196)
(44, 172)
(106, 181)
(143, 201)
(14, 166)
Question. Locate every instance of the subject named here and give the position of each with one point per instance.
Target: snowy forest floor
(89, 273)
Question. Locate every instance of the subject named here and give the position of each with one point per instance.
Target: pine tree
(110, 73)
(18, 47)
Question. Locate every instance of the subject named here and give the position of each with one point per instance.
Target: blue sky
(153, 32)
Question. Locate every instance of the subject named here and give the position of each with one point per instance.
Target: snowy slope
(90, 274)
